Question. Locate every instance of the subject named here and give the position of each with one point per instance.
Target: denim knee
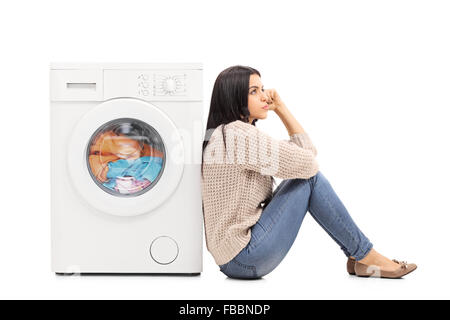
(235, 269)
(262, 273)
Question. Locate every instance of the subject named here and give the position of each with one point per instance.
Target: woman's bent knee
(237, 270)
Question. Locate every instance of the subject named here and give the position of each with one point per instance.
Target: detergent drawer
(76, 85)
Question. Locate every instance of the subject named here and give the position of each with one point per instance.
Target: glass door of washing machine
(126, 157)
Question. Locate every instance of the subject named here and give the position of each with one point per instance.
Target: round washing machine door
(125, 157)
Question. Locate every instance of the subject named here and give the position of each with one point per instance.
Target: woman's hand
(277, 105)
(273, 99)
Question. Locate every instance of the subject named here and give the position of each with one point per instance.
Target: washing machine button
(164, 250)
(171, 85)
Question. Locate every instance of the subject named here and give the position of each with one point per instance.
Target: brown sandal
(362, 270)
(351, 266)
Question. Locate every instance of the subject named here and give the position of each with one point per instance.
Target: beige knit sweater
(237, 178)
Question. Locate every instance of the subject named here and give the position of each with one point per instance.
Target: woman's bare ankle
(369, 258)
(377, 259)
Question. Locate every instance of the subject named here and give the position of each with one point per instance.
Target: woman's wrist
(289, 121)
(282, 107)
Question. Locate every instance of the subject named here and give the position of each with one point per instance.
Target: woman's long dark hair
(229, 102)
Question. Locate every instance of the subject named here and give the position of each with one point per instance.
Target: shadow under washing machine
(126, 144)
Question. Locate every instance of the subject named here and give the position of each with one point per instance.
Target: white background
(368, 80)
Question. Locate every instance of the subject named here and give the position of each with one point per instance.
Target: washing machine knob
(171, 85)
(164, 250)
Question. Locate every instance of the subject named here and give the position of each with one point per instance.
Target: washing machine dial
(170, 85)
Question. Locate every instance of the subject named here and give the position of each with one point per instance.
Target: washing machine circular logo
(125, 157)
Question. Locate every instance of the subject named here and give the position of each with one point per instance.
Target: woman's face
(257, 99)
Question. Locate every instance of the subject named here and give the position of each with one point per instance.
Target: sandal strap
(403, 264)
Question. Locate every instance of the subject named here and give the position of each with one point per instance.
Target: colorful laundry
(122, 146)
(123, 164)
(147, 168)
(127, 185)
(148, 151)
(99, 165)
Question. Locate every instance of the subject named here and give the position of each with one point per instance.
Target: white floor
(310, 282)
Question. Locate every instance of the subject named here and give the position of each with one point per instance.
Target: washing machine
(126, 146)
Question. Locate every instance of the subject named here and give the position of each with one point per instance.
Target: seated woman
(249, 229)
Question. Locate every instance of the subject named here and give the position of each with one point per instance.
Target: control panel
(100, 84)
(153, 84)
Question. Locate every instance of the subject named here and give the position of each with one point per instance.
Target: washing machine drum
(125, 157)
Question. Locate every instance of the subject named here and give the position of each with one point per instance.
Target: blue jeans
(275, 231)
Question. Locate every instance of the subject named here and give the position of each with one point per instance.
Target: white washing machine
(126, 144)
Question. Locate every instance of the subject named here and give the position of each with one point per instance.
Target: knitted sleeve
(303, 141)
(252, 149)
